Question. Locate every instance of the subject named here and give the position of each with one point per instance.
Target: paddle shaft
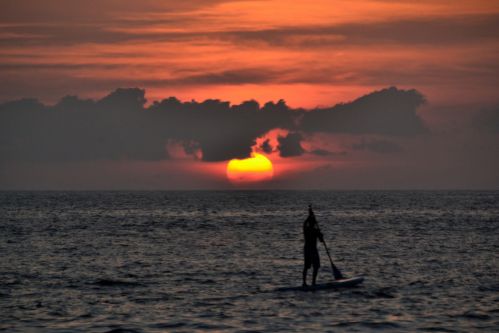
(336, 271)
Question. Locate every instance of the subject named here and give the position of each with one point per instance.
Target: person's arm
(320, 236)
(310, 215)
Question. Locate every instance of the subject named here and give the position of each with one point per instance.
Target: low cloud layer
(324, 152)
(379, 146)
(119, 126)
(488, 120)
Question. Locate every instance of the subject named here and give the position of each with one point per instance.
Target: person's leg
(308, 258)
(314, 277)
(316, 263)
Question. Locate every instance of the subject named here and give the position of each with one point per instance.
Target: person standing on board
(311, 234)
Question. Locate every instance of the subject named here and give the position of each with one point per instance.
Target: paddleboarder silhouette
(311, 255)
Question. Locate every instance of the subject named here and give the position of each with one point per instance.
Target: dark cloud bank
(120, 127)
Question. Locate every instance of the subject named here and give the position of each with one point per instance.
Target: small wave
(72, 286)
(204, 326)
(432, 260)
(473, 315)
(416, 282)
(382, 294)
(380, 325)
(435, 329)
(122, 330)
(488, 288)
(362, 294)
(345, 324)
(57, 314)
(10, 283)
(239, 273)
(114, 283)
(169, 325)
(88, 315)
(146, 300)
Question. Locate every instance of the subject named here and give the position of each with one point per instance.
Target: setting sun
(254, 169)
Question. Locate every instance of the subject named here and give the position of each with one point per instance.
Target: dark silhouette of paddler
(311, 255)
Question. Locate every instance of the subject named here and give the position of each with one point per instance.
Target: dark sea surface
(210, 261)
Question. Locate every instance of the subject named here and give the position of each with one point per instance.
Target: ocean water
(210, 261)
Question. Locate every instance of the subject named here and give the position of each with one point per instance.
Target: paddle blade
(337, 274)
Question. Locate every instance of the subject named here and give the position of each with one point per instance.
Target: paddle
(336, 272)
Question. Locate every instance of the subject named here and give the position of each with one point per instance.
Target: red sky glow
(375, 94)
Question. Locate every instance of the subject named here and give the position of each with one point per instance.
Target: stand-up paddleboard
(336, 284)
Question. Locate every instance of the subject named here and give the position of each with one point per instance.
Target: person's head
(310, 211)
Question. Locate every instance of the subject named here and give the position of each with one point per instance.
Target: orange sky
(308, 53)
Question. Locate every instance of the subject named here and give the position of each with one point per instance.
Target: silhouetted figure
(311, 234)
